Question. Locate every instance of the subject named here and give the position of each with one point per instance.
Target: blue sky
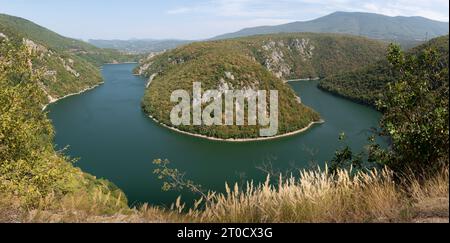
(195, 19)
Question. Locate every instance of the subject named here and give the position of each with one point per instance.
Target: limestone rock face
(278, 54)
(275, 59)
(31, 45)
(68, 65)
(145, 63)
(304, 47)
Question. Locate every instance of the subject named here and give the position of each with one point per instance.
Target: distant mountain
(139, 46)
(68, 65)
(400, 29)
(367, 84)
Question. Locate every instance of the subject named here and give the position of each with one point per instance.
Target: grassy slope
(69, 65)
(315, 197)
(367, 84)
(260, 62)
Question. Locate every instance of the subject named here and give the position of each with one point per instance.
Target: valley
(342, 118)
(115, 140)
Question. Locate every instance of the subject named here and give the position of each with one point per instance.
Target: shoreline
(244, 140)
(238, 140)
(118, 63)
(302, 79)
(230, 140)
(54, 100)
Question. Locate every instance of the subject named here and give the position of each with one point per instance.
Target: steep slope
(293, 56)
(254, 63)
(67, 65)
(366, 85)
(400, 29)
(52, 40)
(31, 171)
(62, 73)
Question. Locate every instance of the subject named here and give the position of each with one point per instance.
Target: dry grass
(313, 197)
(431, 198)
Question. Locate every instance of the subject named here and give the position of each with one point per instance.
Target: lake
(115, 140)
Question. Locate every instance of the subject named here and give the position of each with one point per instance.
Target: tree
(28, 165)
(346, 159)
(415, 112)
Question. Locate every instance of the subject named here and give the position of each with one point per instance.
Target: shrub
(415, 112)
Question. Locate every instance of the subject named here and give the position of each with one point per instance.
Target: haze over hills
(139, 46)
(408, 31)
(375, 26)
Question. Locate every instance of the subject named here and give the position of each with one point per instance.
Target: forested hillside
(67, 65)
(369, 83)
(32, 173)
(260, 62)
(287, 56)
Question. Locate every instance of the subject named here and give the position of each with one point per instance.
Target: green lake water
(115, 140)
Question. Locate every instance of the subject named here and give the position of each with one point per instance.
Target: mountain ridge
(376, 26)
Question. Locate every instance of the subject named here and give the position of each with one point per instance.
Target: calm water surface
(115, 140)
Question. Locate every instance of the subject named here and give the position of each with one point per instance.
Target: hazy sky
(195, 19)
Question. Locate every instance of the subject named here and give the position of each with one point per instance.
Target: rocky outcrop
(303, 47)
(277, 53)
(142, 68)
(229, 75)
(274, 59)
(153, 76)
(68, 65)
(42, 51)
(145, 63)
(282, 57)
(287, 56)
(32, 46)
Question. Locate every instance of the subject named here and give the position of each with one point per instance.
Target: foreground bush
(31, 171)
(415, 112)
